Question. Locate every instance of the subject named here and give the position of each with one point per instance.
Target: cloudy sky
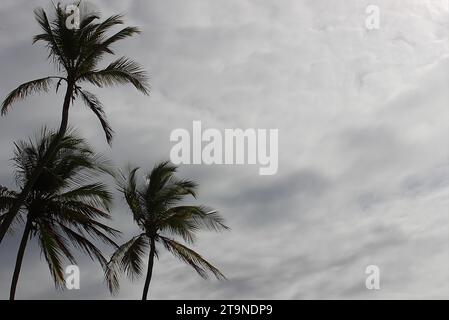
(363, 124)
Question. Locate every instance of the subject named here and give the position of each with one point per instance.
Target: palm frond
(96, 106)
(179, 226)
(132, 262)
(86, 246)
(54, 248)
(87, 19)
(121, 35)
(50, 39)
(158, 178)
(193, 259)
(198, 216)
(119, 72)
(128, 186)
(118, 263)
(96, 48)
(78, 217)
(95, 194)
(67, 39)
(74, 162)
(25, 90)
(174, 191)
(7, 199)
(108, 23)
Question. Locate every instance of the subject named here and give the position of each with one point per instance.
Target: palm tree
(156, 211)
(76, 54)
(64, 209)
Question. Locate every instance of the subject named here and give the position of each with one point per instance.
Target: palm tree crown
(76, 53)
(65, 208)
(156, 210)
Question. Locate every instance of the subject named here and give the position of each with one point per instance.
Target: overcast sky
(363, 125)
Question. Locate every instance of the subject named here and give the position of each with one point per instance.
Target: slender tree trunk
(23, 244)
(4, 226)
(65, 109)
(150, 269)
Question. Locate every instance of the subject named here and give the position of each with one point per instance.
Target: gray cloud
(362, 116)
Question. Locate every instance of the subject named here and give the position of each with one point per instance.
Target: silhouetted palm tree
(77, 53)
(154, 208)
(64, 209)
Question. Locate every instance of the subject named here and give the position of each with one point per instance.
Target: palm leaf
(121, 71)
(50, 39)
(96, 194)
(193, 259)
(78, 217)
(118, 263)
(98, 47)
(54, 248)
(7, 198)
(128, 186)
(132, 259)
(82, 243)
(97, 108)
(186, 219)
(121, 35)
(25, 90)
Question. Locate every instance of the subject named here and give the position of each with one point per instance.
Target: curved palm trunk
(23, 244)
(65, 109)
(150, 269)
(50, 152)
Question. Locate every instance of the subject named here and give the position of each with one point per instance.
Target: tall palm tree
(77, 54)
(64, 209)
(156, 210)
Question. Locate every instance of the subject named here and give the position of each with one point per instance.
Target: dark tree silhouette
(65, 208)
(77, 54)
(155, 210)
